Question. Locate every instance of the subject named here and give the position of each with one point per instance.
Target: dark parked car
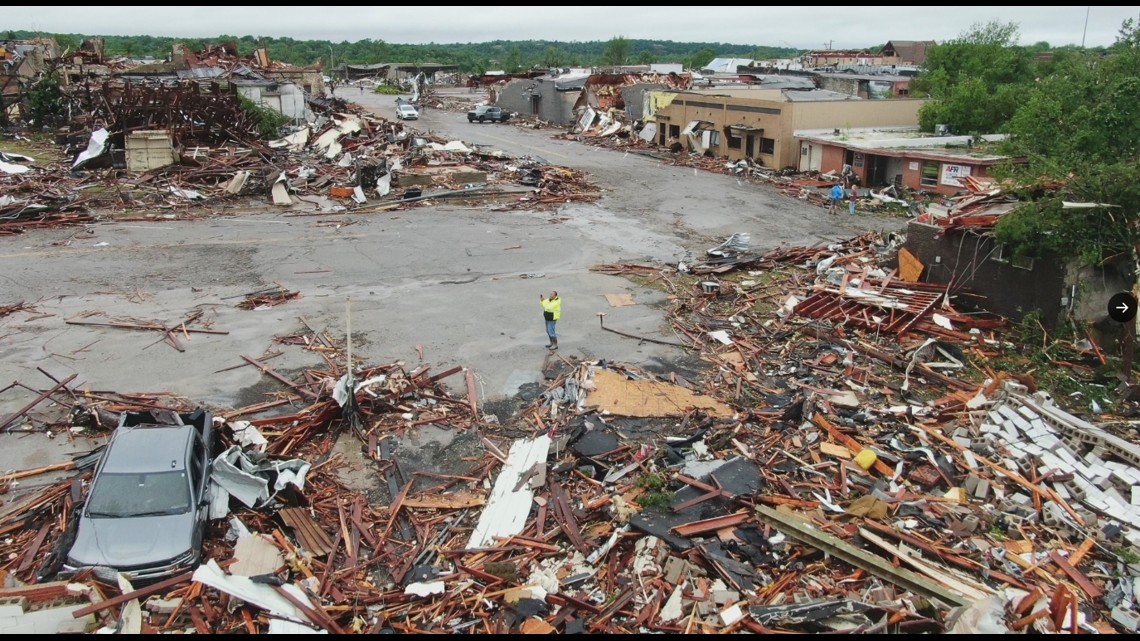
(147, 507)
(483, 113)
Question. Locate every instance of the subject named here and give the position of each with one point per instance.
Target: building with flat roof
(763, 128)
(900, 156)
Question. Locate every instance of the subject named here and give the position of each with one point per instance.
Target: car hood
(133, 541)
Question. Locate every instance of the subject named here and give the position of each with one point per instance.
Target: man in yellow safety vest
(551, 312)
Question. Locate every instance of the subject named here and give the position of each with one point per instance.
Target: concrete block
(75, 626)
(971, 483)
(13, 606)
(676, 570)
(1007, 412)
(162, 606)
(724, 597)
(7, 622)
(1127, 618)
(983, 488)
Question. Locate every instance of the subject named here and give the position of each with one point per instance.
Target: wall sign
(951, 174)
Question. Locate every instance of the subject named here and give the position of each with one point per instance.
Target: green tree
(1079, 128)
(67, 42)
(513, 63)
(45, 100)
(553, 57)
(700, 59)
(976, 81)
(646, 58)
(617, 51)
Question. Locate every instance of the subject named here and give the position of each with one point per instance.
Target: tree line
(472, 57)
(1072, 116)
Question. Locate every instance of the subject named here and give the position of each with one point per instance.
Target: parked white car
(407, 112)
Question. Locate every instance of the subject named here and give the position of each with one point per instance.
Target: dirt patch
(357, 472)
(439, 451)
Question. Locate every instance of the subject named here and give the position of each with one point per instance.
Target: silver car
(407, 112)
(146, 510)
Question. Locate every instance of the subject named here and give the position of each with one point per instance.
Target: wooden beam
(134, 594)
(39, 399)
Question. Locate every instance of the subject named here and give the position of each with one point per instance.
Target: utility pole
(1088, 10)
(332, 70)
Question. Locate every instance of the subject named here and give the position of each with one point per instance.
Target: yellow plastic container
(866, 459)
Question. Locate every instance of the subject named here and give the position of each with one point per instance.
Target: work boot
(550, 345)
(554, 343)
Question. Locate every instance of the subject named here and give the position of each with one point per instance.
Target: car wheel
(481, 118)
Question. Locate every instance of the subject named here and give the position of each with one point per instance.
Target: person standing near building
(836, 198)
(854, 196)
(551, 312)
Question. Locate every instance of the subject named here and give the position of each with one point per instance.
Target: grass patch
(657, 499)
(388, 90)
(1128, 554)
(651, 481)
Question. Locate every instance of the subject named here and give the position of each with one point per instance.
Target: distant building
(907, 52)
(900, 156)
(560, 98)
(727, 65)
(833, 57)
(866, 86)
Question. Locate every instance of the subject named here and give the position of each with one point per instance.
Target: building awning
(698, 125)
(745, 128)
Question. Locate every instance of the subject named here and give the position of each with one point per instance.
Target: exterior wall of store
(553, 106)
(515, 96)
(846, 114)
(834, 156)
(1001, 287)
(779, 120)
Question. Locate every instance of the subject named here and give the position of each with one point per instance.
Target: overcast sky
(788, 26)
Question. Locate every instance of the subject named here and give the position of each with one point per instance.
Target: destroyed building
(561, 99)
(906, 52)
(955, 246)
(763, 129)
(549, 98)
(899, 156)
(866, 86)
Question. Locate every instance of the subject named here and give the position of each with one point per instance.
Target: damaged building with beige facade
(761, 125)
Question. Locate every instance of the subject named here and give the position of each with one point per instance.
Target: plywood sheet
(620, 300)
(646, 398)
(910, 267)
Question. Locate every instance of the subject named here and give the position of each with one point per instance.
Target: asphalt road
(442, 277)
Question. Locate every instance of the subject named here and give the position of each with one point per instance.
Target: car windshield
(407, 108)
(125, 495)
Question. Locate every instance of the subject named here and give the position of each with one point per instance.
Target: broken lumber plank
(39, 399)
(710, 525)
(134, 594)
(70, 465)
(848, 553)
(310, 535)
(1075, 574)
(268, 371)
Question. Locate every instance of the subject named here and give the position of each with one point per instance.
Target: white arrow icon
(1123, 307)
